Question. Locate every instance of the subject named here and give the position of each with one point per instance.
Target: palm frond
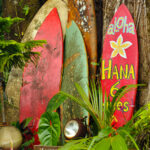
(100, 101)
(141, 117)
(83, 104)
(99, 105)
(33, 44)
(82, 144)
(122, 92)
(131, 138)
(83, 95)
(16, 54)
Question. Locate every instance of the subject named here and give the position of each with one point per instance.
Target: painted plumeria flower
(119, 47)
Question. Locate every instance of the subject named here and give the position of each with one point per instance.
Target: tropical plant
(13, 53)
(28, 138)
(139, 127)
(49, 124)
(102, 112)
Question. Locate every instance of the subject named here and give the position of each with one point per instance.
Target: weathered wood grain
(83, 13)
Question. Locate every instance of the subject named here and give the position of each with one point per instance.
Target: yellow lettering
(113, 89)
(119, 105)
(131, 72)
(115, 72)
(126, 107)
(124, 73)
(106, 69)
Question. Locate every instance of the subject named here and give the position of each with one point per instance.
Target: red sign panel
(120, 62)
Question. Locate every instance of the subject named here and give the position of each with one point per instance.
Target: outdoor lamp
(74, 129)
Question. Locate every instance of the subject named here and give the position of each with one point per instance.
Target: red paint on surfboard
(120, 62)
(42, 82)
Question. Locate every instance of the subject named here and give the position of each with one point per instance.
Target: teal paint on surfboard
(75, 71)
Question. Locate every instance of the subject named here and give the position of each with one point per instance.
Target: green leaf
(26, 144)
(49, 129)
(105, 132)
(95, 97)
(118, 143)
(131, 138)
(16, 34)
(55, 102)
(120, 93)
(83, 104)
(83, 94)
(81, 144)
(15, 54)
(103, 144)
(101, 135)
(16, 124)
(136, 118)
(95, 64)
(26, 122)
(26, 9)
(115, 99)
(6, 23)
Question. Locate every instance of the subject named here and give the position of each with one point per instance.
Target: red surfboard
(120, 62)
(42, 82)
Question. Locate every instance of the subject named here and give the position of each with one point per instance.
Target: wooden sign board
(120, 62)
(37, 147)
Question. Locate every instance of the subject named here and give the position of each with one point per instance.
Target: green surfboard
(75, 71)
